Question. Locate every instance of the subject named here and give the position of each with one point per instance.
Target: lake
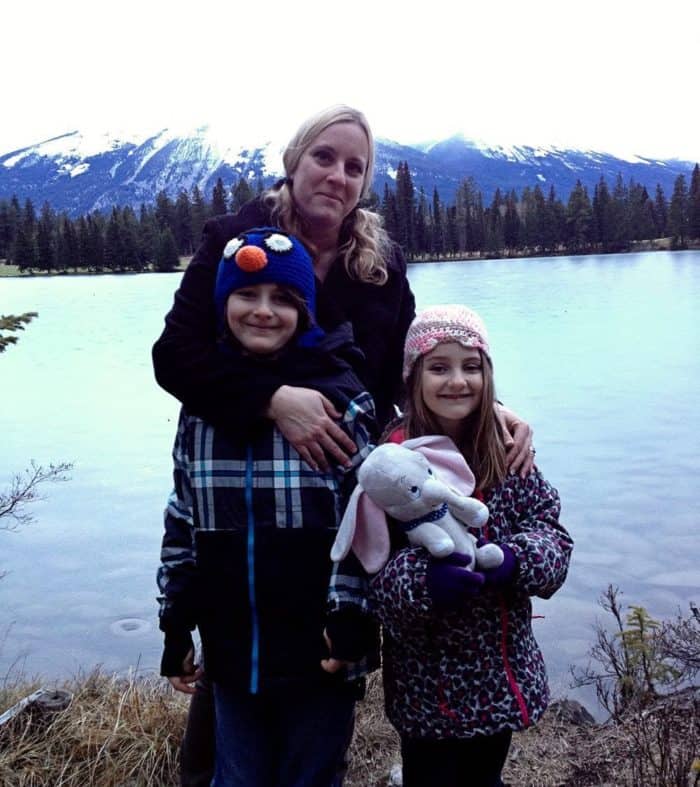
(601, 354)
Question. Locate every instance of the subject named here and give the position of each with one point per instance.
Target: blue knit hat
(266, 255)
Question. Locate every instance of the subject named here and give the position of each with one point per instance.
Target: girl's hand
(191, 673)
(520, 455)
(307, 419)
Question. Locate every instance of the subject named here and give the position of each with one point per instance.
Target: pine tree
(24, 253)
(13, 323)
(620, 234)
(6, 230)
(29, 216)
(420, 224)
(147, 235)
(165, 211)
(83, 243)
(240, 194)
(469, 215)
(167, 258)
(641, 224)
(602, 214)
(68, 246)
(95, 242)
(555, 222)
(182, 228)
(494, 224)
(372, 202)
(114, 243)
(540, 215)
(693, 204)
(579, 218)
(451, 232)
(678, 213)
(9, 221)
(218, 199)
(200, 213)
(511, 222)
(388, 211)
(46, 239)
(438, 232)
(405, 207)
(660, 212)
(130, 240)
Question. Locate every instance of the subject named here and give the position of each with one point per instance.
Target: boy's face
(262, 317)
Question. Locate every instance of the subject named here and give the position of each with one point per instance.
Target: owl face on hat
(266, 255)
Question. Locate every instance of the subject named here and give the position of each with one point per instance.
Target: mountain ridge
(79, 172)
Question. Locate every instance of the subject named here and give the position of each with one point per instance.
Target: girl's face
(452, 384)
(262, 317)
(330, 176)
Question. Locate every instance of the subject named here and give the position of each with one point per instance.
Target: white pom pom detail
(278, 243)
(232, 247)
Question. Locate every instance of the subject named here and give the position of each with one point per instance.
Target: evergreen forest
(155, 237)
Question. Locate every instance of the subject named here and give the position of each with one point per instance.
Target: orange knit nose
(251, 259)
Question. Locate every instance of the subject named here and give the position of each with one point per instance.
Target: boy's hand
(330, 664)
(191, 673)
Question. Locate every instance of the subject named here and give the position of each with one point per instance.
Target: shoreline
(111, 730)
(657, 244)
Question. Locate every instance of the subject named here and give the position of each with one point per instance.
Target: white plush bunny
(424, 484)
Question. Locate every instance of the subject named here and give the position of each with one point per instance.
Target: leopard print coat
(475, 670)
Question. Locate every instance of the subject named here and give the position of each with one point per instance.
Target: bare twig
(23, 490)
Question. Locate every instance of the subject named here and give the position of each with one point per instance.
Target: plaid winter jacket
(248, 532)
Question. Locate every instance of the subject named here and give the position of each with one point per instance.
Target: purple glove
(450, 581)
(504, 574)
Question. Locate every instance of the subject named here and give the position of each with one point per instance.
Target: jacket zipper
(255, 631)
(510, 677)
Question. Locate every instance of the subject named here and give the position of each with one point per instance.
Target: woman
(361, 277)
(329, 167)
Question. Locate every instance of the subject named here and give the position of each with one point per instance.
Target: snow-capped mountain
(79, 172)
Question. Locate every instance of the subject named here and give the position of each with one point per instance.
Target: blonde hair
(481, 442)
(363, 244)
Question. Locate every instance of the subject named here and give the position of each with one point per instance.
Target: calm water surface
(600, 354)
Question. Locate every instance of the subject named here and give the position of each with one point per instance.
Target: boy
(248, 532)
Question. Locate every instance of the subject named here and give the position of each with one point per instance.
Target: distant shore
(656, 244)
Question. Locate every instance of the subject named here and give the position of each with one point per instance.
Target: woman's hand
(308, 420)
(520, 455)
(191, 673)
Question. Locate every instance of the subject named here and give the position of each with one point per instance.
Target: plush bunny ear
(446, 461)
(364, 529)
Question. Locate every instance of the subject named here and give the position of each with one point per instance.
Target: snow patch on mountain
(83, 171)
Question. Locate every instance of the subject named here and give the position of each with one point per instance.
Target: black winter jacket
(188, 365)
(248, 534)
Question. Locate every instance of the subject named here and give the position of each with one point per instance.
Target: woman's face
(329, 178)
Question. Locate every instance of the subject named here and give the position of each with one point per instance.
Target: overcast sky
(612, 75)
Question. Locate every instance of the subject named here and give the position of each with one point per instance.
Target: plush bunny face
(395, 479)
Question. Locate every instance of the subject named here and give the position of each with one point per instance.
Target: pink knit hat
(439, 324)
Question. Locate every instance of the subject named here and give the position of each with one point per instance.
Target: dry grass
(116, 733)
(125, 733)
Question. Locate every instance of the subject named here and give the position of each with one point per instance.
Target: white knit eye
(278, 243)
(232, 247)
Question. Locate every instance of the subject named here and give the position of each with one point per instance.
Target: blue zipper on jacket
(255, 632)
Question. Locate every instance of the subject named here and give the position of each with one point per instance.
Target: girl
(461, 666)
